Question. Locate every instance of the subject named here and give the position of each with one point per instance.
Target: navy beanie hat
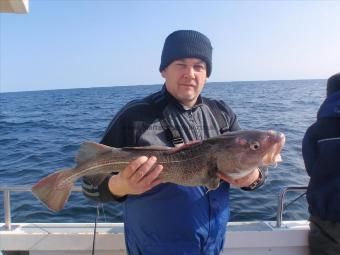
(333, 84)
(186, 44)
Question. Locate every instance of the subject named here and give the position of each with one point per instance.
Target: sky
(98, 43)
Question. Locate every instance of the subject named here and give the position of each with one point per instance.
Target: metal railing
(8, 189)
(281, 201)
(7, 199)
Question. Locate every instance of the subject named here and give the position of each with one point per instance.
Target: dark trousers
(324, 237)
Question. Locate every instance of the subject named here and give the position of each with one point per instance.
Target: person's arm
(309, 150)
(229, 116)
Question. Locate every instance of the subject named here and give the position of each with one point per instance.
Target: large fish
(235, 154)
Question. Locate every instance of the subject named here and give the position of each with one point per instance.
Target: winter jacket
(169, 219)
(321, 153)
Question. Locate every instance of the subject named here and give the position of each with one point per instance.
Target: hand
(241, 182)
(139, 176)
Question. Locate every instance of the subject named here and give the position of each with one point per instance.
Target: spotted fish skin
(235, 154)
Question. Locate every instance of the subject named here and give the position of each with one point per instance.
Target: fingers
(139, 176)
(228, 179)
(133, 166)
(224, 177)
(152, 179)
(243, 181)
(143, 170)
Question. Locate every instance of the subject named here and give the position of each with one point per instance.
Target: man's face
(185, 78)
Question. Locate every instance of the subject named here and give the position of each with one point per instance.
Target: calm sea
(40, 132)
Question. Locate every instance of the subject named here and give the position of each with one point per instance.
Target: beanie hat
(186, 44)
(333, 84)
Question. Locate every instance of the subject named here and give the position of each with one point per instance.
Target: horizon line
(123, 85)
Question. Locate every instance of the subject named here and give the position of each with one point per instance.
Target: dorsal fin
(148, 148)
(91, 150)
(186, 146)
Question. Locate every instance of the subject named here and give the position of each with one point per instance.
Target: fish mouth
(273, 156)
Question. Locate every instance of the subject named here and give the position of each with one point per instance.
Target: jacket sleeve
(229, 116)
(118, 134)
(309, 150)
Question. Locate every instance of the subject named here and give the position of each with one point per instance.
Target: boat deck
(256, 238)
(242, 238)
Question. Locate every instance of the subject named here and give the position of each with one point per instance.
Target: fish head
(241, 152)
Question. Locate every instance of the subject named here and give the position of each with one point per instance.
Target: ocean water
(41, 131)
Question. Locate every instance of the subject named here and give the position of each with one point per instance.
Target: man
(165, 218)
(321, 153)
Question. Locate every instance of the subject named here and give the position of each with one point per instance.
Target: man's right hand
(139, 176)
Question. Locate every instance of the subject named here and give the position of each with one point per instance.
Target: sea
(40, 132)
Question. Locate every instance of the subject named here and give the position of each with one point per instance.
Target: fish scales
(234, 154)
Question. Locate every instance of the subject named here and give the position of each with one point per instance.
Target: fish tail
(54, 189)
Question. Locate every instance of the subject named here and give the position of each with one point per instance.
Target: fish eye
(255, 146)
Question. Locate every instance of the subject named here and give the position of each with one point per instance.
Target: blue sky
(72, 44)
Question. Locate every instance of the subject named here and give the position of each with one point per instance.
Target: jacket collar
(171, 99)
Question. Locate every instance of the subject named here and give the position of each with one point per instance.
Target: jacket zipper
(194, 126)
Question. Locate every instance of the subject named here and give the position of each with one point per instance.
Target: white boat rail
(263, 237)
(7, 200)
(282, 194)
(26, 188)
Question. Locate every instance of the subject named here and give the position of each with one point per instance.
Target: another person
(321, 153)
(165, 218)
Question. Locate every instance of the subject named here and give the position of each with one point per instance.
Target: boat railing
(280, 206)
(26, 188)
(7, 199)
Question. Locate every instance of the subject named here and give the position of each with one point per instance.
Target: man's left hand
(241, 182)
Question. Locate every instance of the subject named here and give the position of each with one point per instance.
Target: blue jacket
(321, 153)
(169, 219)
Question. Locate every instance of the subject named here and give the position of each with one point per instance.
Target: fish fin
(213, 183)
(186, 146)
(209, 188)
(162, 148)
(91, 150)
(148, 148)
(53, 190)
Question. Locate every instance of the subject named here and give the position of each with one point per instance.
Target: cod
(196, 163)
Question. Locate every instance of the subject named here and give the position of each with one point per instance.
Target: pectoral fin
(213, 183)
